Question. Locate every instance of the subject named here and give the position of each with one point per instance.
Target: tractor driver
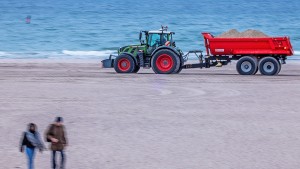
(164, 38)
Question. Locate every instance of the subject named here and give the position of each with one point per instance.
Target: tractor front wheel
(137, 68)
(165, 62)
(124, 64)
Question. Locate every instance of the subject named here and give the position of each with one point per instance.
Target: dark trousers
(62, 162)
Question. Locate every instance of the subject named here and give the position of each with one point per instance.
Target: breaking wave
(297, 53)
(64, 54)
(88, 53)
(74, 54)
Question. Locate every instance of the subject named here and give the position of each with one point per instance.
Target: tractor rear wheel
(165, 62)
(246, 65)
(124, 64)
(269, 66)
(181, 65)
(180, 69)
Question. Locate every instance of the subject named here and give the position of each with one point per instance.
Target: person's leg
(30, 155)
(62, 162)
(53, 159)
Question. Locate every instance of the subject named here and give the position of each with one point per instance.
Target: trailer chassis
(204, 61)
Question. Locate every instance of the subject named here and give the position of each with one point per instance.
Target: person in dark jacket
(31, 140)
(56, 134)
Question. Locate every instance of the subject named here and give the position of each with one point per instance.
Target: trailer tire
(246, 65)
(269, 66)
(165, 61)
(255, 71)
(124, 64)
(256, 63)
(279, 69)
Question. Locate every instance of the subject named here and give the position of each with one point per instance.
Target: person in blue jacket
(31, 140)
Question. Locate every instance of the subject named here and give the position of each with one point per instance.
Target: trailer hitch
(199, 55)
(196, 52)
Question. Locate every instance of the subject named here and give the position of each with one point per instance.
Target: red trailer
(267, 46)
(265, 54)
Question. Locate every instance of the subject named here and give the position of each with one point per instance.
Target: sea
(94, 29)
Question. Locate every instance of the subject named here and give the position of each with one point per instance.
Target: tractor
(157, 49)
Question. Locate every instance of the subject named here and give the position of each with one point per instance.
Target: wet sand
(210, 118)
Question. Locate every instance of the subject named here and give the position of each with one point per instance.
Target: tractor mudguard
(165, 47)
(129, 54)
(170, 48)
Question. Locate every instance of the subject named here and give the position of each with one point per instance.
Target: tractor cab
(155, 39)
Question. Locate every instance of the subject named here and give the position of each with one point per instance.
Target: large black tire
(279, 68)
(256, 63)
(137, 68)
(180, 69)
(181, 65)
(124, 64)
(165, 62)
(246, 65)
(269, 66)
(255, 71)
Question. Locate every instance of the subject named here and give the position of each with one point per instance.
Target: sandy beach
(198, 119)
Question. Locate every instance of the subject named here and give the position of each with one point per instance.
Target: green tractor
(157, 49)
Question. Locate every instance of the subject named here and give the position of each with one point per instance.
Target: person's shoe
(219, 64)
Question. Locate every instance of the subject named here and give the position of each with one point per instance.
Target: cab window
(164, 39)
(154, 39)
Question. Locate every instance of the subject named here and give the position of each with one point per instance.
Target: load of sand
(250, 33)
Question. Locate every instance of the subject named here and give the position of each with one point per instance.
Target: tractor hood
(130, 48)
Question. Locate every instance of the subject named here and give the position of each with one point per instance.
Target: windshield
(155, 40)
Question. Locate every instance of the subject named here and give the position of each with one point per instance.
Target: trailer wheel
(246, 65)
(256, 63)
(124, 64)
(255, 71)
(165, 62)
(279, 69)
(269, 66)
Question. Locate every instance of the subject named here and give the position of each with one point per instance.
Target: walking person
(56, 134)
(31, 140)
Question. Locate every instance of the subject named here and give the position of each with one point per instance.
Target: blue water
(96, 28)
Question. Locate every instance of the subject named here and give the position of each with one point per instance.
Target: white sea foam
(4, 53)
(88, 53)
(65, 54)
(73, 54)
(297, 53)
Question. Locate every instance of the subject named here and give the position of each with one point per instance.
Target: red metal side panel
(248, 46)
